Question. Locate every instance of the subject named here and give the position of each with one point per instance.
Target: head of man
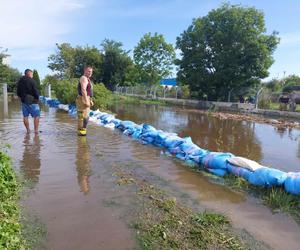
(88, 71)
(29, 73)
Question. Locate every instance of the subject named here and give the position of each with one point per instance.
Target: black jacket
(27, 86)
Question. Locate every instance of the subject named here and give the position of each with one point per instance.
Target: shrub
(10, 228)
(102, 96)
(66, 90)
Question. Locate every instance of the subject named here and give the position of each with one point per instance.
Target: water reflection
(83, 164)
(224, 135)
(31, 161)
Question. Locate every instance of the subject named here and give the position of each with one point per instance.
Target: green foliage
(132, 76)
(68, 62)
(7, 74)
(102, 96)
(116, 63)
(289, 82)
(66, 90)
(226, 49)
(10, 228)
(36, 77)
(154, 57)
(185, 92)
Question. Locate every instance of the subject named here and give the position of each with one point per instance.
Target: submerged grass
(10, 227)
(164, 223)
(276, 197)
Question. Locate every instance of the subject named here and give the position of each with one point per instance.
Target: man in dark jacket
(29, 94)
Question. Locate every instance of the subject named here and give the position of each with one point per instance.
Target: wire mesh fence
(285, 101)
(176, 92)
(259, 97)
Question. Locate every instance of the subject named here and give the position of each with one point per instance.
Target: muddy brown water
(72, 181)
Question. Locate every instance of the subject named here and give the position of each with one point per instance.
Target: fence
(279, 100)
(154, 91)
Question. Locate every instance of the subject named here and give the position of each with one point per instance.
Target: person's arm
(83, 84)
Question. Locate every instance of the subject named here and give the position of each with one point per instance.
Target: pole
(5, 99)
(257, 95)
(49, 90)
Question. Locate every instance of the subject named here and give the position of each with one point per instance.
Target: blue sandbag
(147, 128)
(173, 141)
(176, 150)
(116, 121)
(151, 133)
(180, 156)
(161, 137)
(292, 183)
(198, 156)
(219, 172)
(125, 125)
(238, 171)
(267, 177)
(137, 132)
(216, 160)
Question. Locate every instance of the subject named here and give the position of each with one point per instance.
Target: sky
(30, 29)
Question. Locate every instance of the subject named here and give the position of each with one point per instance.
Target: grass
(162, 222)
(276, 197)
(10, 227)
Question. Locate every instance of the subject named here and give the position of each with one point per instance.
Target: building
(168, 82)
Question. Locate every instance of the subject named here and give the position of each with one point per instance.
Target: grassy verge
(276, 198)
(10, 227)
(162, 222)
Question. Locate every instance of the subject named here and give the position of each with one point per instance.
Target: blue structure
(168, 82)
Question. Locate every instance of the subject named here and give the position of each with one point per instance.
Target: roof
(168, 81)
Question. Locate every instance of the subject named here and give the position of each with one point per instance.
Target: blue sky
(30, 29)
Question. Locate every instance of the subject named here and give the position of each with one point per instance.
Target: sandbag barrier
(216, 163)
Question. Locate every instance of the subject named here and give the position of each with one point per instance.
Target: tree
(36, 77)
(225, 50)
(68, 62)
(154, 57)
(116, 63)
(8, 74)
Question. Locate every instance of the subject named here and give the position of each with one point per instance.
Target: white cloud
(29, 27)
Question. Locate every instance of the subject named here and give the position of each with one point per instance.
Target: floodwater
(72, 179)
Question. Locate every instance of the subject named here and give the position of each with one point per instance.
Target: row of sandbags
(184, 149)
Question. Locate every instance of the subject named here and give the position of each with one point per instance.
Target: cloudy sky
(30, 29)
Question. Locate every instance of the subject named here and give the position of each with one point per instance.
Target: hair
(27, 71)
(87, 66)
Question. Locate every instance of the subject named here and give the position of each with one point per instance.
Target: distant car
(293, 93)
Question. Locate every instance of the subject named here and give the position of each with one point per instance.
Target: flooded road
(73, 182)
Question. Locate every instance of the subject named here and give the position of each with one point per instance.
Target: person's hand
(92, 103)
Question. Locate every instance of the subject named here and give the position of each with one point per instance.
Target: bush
(102, 96)
(66, 91)
(10, 228)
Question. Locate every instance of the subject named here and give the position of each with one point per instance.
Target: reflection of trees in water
(208, 132)
(83, 165)
(31, 162)
(223, 135)
(160, 117)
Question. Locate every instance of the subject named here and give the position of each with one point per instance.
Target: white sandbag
(244, 163)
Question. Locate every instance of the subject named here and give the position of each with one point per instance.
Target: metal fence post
(257, 95)
(5, 99)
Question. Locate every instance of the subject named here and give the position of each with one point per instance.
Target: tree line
(226, 49)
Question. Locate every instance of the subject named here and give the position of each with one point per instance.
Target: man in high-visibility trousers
(83, 100)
